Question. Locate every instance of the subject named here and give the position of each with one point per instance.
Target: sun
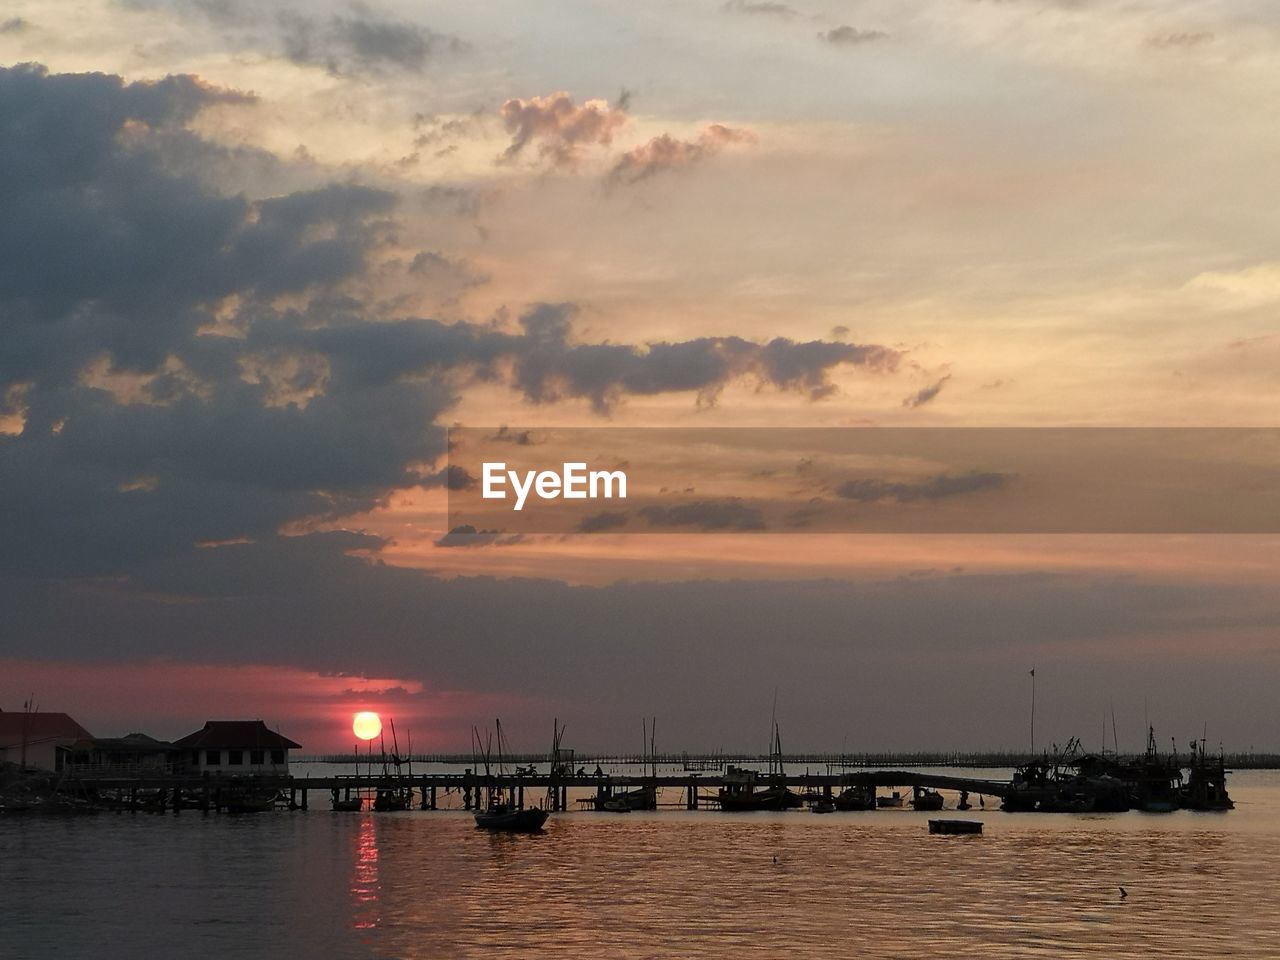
(366, 724)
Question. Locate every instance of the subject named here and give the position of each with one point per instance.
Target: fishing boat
(510, 819)
(249, 801)
(894, 800)
(346, 804)
(742, 791)
(503, 813)
(1156, 781)
(925, 799)
(390, 800)
(856, 797)
(824, 806)
(1206, 785)
(1071, 781)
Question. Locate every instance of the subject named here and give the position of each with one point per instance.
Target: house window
(212, 758)
(235, 757)
(277, 757)
(195, 758)
(255, 757)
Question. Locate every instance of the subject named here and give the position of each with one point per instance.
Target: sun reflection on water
(365, 886)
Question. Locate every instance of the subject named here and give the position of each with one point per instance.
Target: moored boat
(511, 819)
(955, 826)
(925, 799)
(856, 797)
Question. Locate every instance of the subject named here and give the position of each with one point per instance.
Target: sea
(670, 883)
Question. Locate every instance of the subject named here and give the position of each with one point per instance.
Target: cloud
(186, 366)
(361, 42)
(730, 514)
(1180, 40)
(468, 536)
(761, 7)
(847, 36)
(938, 487)
(606, 520)
(667, 153)
(14, 25)
(548, 367)
(559, 127)
(589, 653)
(926, 394)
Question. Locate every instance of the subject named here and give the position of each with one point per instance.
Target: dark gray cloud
(937, 487)
(14, 25)
(729, 514)
(169, 398)
(549, 367)
(468, 536)
(847, 36)
(955, 647)
(926, 394)
(362, 41)
(599, 522)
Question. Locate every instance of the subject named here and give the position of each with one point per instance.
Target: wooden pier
(423, 791)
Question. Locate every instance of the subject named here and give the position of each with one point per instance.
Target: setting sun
(366, 725)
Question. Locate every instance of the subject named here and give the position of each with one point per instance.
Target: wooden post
(133, 799)
(433, 797)
(304, 798)
(691, 802)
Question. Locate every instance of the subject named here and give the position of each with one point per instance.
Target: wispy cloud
(664, 153)
(847, 36)
(926, 394)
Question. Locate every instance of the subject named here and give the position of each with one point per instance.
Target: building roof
(38, 727)
(235, 735)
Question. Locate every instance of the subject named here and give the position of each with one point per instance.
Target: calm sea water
(666, 884)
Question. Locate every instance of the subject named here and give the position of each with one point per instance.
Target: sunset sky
(256, 258)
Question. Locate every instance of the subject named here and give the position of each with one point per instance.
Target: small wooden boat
(505, 811)
(249, 802)
(739, 793)
(856, 798)
(390, 801)
(346, 805)
(895, 800)
(955, 826)
(926, 799)
(503, 817)
(823, 806)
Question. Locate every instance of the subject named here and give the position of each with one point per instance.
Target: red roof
(38, 728)
(235, 735)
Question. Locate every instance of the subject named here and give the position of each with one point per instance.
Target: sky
(256, 259)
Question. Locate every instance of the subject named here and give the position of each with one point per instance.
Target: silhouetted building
(131, 755)
(231, 747)
(38, 740)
